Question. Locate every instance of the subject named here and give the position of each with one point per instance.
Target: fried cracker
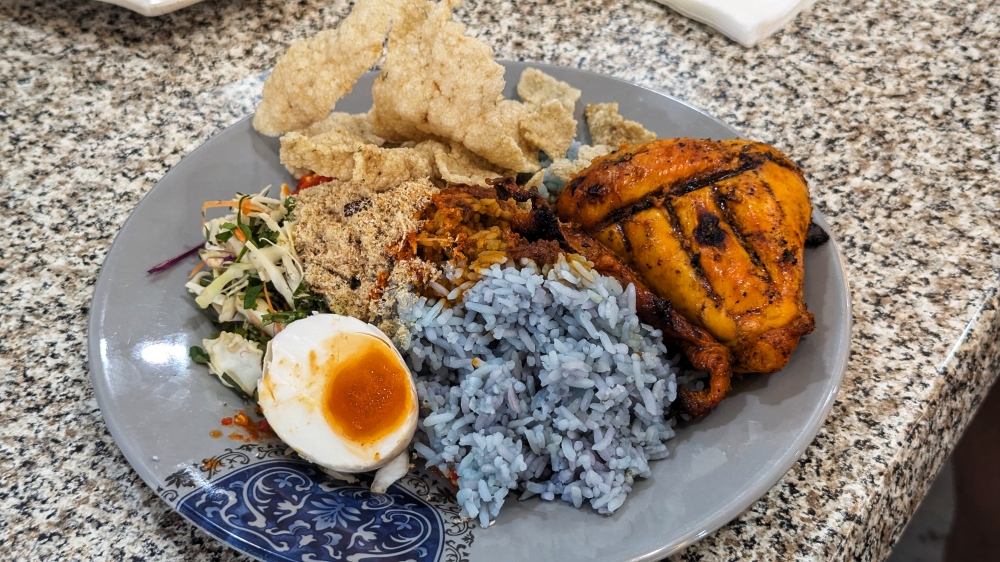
(355, 125)
(459, 165)
(608, 127)
(338, 155)
(315, 73)
(437, 82)
(564, 169)
(537, 88)
(536, 180)
(550, 127)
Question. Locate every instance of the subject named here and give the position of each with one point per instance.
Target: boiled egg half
(337, 391)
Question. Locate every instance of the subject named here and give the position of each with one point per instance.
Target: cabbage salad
(251, 276)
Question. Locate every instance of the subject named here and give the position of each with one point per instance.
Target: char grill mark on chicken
(715, 228)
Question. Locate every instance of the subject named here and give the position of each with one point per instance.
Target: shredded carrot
(249, 207)
(245, 209)
(213, 204)
(284, 190)
(239, 235)
(200, 265)
(268, 299)
(277, 326)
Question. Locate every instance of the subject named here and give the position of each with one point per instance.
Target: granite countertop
(891, 108)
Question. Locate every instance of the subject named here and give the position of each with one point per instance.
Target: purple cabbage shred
(174, 260)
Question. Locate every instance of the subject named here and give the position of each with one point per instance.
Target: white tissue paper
(745, 21)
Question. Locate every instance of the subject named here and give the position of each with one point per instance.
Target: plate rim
(724, 514)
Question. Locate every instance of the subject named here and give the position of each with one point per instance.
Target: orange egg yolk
(367, 393)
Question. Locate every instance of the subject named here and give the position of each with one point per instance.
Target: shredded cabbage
(239, 262)
(214, 289)
(253, 274)
(269, 271)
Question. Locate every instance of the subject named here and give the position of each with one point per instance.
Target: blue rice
(541, 382)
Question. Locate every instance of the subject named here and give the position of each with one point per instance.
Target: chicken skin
(717, 229)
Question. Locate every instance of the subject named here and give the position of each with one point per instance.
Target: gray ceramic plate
(161, 408)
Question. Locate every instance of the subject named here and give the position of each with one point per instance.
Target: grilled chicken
(715, 228)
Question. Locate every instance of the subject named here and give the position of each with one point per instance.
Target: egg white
(291, 394)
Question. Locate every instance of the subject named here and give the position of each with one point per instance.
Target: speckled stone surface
(890, 107)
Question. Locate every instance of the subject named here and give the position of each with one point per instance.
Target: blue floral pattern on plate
(288, 510)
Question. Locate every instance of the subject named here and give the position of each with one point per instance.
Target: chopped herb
(284, 317)
(250, 298)
(239, 217)
(232, 384)
(198, 355)
(308, 300)
(248, 233)
(245, 329)
(268, 234)
(224, 236)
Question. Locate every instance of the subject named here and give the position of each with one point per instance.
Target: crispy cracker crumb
(608, 127)
(536, 180)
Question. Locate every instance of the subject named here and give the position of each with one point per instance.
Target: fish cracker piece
(404, 69)
(315, 73)
(608, 127)
(329, 154)
(550, 127)
(537, 88)
(590, 151)
(459, 165)
(548, 123)
(536, 180)
(436, 82)
(356, 125)
(383, 168)
(338, 155)
(508, 124)
(297, 173)
(565, 169)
